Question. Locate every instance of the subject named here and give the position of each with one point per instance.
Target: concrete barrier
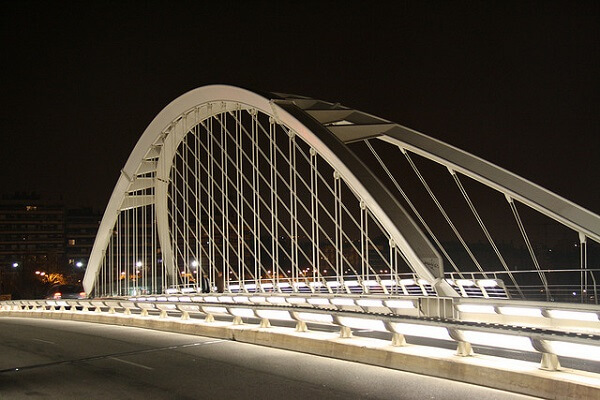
(510, 375)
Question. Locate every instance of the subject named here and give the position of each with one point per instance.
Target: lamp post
(195, 265)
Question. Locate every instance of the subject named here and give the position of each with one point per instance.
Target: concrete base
(510, 375)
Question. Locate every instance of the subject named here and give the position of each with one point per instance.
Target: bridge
(274, 208)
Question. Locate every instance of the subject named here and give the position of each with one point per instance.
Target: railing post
(464, 348)
(398, 340)
(264, 323)
(549, 359)
(301, 326)
(345, 332)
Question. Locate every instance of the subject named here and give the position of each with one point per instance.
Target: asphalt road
(49, 359)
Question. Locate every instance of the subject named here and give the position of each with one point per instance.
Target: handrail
(521, 325)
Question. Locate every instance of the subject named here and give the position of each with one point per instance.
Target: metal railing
(551, 329)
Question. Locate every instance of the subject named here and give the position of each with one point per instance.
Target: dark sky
(516, 83)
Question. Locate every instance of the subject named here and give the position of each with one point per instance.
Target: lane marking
(131, 363)
(43, 341)
(205, 343)
(104, 356)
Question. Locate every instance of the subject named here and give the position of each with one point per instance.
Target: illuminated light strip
(333, 284)
(226, 299)
(371, 283)
(250, 286)
(432, 332)
(214, 310)
(161, 298)
(487, 283)
(423, 282)
(400, 303)
(241, 299)
(521, 311)
(257, 299)
(242, 312)
(318, 301)
(276, 300)
(185, 299)
(465, 282)
(151, 298)
(476, 308)
(361, 323)
(369, 303)
(341, 301)
(576, 315)
(194, 299)
(232, 287)
(313, 284)
(513, 342)
(406, 282)
(211, 299)
(275, 314)
(173, 299)
(388, 282)
(313, 317)
(575, 350)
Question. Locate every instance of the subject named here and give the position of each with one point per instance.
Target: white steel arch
(326, 128)
(155, 149)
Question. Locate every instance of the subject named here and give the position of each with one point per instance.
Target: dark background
(515, 83)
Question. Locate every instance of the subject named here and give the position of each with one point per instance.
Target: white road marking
(43, 341)
(131, 363)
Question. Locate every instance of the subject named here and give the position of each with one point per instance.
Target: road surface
(51, 359)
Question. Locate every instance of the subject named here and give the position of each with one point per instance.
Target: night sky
(516, 83)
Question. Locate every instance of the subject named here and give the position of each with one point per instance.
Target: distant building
(32, 230)
(39, 234)
(81, 226)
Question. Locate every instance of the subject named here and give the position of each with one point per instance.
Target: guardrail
(554, 330)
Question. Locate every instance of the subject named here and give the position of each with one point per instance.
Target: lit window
(71, 242)
(30, 208)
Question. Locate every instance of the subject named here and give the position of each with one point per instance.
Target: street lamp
(79, 264)
(195, 266)
(15, 265)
